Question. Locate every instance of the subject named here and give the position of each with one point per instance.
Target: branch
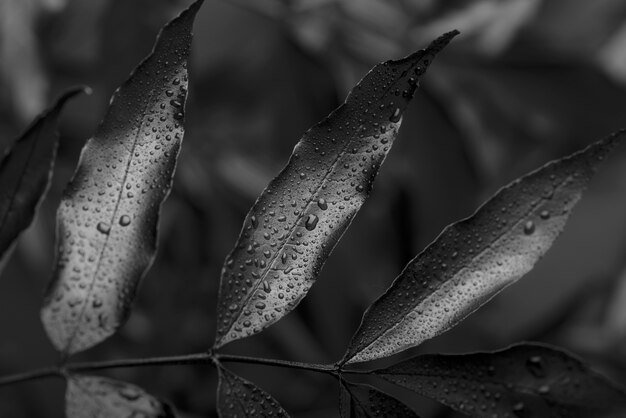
(186, 359)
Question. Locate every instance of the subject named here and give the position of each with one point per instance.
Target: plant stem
(198, 358)
(321, 368)
(30, 375)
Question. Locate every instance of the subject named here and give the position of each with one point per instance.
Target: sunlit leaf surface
(99, 397)
(362, 401)
(107, 220)
(298, 219)
(475, 258)
(239, 398)
(522, 381)
(25, 172)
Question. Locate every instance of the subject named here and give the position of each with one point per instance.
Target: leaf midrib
(111, 223)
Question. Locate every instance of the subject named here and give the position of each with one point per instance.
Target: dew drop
(169, 93)
(534, 365)
(311, 222)
(124, 220)
(104, 228)
(396, 115)
(544, 214)
(266, 287)
(260, 305)
(529, 227)
(322, 203)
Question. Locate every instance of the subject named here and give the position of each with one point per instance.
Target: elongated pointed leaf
(107, 220)
(363, 401)
(300, 217)
(475, 258)
(25, 172)
(99, 397)
(524, 380)
(240, 398)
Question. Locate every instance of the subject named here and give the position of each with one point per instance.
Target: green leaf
(475, 258)
(107, 220)
(363, 401)
(299, 218)
(99, 397)
(240, 398)
(524, 380)
(25, 172)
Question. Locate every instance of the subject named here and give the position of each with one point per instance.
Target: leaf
(299, 218)
(239, 398)
(475, 258)
(26, 170)
(107, 220)
(98, 397)
(363, 401)
(524, 380)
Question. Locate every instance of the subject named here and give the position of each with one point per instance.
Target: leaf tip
(441, 42)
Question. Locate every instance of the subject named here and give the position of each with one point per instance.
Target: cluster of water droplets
(298, 219)
(472, 260)
(523, 381)
(107, 218)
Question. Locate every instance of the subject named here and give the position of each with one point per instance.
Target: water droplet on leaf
(311, 222)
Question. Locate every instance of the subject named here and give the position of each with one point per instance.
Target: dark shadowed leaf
(99, 397)
(107, 220)
(25, 172)
(362, 401)
(524, 380)
(239, 398)
(475, 258)
(300, 217)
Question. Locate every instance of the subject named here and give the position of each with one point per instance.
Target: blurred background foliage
(526, 82)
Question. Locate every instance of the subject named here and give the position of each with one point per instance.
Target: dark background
(527, 81)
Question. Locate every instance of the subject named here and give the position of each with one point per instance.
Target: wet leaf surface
(522, 381)
(304, 211)
(240, 398)
(99, 397)
(25, 172)
(362, 401)
(107, 220)
(475, 258)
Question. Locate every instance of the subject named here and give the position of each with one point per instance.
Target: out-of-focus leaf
(99, 397)
(299, 218)
(475, 258)
(362, 401)
(25, 172)
(107, 220)
(524, 380)
(240, 398)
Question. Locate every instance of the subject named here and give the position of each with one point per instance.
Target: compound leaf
(475, 258)
(107, 220)
(363, 401)
(25, 172)
(524, 380)
(299, 218)
(240, 398)
(99, 397)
